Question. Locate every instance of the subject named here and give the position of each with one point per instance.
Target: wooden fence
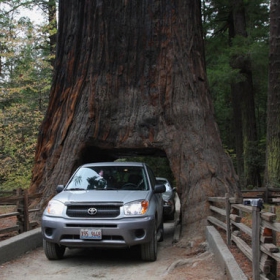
(269, 195)
(261, 246)
(20, 199)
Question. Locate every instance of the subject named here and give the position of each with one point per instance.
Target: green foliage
(18, 134)
(24, 88)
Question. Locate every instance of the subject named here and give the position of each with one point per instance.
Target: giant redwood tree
(130, 79)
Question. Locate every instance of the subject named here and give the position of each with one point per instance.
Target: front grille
(103, 211)
(104, 237)
(91, 225)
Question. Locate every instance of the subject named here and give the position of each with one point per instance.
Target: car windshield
(109, 178)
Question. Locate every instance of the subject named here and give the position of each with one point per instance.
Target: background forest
(236, 34)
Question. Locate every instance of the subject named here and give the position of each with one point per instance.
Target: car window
(109, 178)
(82, 178)
(152, 177)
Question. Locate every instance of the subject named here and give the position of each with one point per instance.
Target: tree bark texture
(272, 166)
(243, 99)
(130, 76)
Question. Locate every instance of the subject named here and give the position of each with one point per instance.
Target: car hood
(101, 196)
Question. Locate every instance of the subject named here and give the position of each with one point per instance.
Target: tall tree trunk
(243, 100)
(272, 167)
(236, 95)
(238, 133)
(130, 77)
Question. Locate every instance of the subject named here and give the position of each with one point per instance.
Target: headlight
(136, 207)
(55, 208)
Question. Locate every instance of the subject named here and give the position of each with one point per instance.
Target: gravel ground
(173, 263)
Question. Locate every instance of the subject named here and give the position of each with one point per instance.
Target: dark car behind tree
(168, 198)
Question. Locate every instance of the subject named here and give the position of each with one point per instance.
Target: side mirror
(59, 188)
(159, 189)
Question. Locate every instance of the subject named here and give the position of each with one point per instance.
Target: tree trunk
(243, 93)
(130, 78)
(272, 166)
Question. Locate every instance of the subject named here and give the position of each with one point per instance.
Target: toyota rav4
(106, 205)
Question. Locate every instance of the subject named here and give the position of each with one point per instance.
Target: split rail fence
(19, 200)
(258, 241)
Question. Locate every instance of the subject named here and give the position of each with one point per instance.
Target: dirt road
(173, 263)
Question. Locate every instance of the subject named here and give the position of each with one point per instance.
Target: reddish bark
(130, 77)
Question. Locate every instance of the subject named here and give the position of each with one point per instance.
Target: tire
(171, 216)
(53, 251)
(161, 232)
(149, 250)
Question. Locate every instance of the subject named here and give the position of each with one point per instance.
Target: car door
(157, 196)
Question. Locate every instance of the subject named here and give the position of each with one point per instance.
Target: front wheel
(160, 233)
(53, 251)
(171, 216)
(149, 250)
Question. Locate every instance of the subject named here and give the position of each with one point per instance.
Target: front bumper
(117, 233)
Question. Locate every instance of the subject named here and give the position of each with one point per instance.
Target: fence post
(228, 219)
(274, 266)
(256, 242)
(25, 211)
(266, 194)
(20, 209)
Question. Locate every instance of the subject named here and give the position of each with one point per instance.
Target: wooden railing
(257, 241)
(269, 195)
(20, 199)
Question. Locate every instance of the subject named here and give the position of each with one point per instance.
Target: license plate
(90, 233)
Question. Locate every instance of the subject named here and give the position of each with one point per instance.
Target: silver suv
(107, 205)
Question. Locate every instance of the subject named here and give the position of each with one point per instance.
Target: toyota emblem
(92, 211)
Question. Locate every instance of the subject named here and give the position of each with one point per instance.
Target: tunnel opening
(155, 158)
(96, 154)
